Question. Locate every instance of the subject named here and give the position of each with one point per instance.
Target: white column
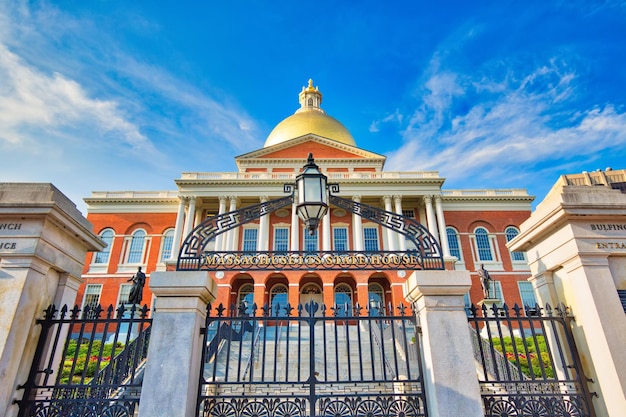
(441, 222)
(295, 225)
(191, 215)
(219, 239)
(450, 381)
(391, 235)
(430, 217)
(231, 238)
(357, 228)
(262, 242)
(178, 231)
(326, 232)
(397, 199)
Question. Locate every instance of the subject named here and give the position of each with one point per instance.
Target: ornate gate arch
(194, 256)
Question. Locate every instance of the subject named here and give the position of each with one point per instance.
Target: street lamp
(312, 195)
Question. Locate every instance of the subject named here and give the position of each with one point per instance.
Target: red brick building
(145, 228)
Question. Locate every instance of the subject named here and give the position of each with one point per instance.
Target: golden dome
(309, 118)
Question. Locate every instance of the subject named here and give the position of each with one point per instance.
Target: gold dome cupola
(310, 98)
(309, 119)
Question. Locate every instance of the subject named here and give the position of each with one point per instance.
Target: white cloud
(52, 102)
(512, 125)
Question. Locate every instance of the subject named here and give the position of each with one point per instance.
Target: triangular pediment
(322, 149)
(294, 152)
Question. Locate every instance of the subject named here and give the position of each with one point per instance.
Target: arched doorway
(312, 292)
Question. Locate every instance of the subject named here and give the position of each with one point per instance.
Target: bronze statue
(485, 280)
(136, 292)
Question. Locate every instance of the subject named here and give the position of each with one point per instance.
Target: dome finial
(310, 98)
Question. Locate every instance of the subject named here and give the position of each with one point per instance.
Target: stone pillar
(391, 235)
(231, 240)
(357, 228)
(170, 384)
(43, 242)
(326, 232)
(219, 239)
(191, 215)
(450, 380)
(430, 217)
(441, 224)
(178, 231)
(397, 199)
(295, 225)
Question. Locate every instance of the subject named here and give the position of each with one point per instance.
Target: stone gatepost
(170, 384)
(43, 242)
(575, 242)
(450, 378)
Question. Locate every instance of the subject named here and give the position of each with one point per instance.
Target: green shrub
(533, 348)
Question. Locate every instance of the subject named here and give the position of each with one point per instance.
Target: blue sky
(126, 95)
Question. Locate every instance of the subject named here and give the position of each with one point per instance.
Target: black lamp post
(312, 195)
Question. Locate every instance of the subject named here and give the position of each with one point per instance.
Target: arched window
(135, 252)
(483, 245)
(343, 300)
(245, 299)
(166, 245)
(511, 232)
(453, 242)
(279, 300)
(102, 257)
(376, 299)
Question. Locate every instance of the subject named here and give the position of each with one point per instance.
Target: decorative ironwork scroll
(427, 246)
(191, 251)
(194, 254)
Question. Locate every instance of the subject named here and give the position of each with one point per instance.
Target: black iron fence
(311, 361)
(87, 366)
(528, 366)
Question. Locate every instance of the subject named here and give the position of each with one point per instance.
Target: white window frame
(274, 243)
(460, 263)
(122, 297)
(169, 233)
(516, 264)
(366, 240)
(379, 308)
(91, 290)
(306, 237)
(529, 290)
(103, 266)
(125, 265)
(347, 238)
(243, 239)
(496, 260)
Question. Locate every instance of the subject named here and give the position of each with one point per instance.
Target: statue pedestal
(496, 329)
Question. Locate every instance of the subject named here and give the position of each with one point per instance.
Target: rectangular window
(281, 239)
(529, 301)
(340, 238)
(166, 251)
(370, 237)
(124, 294)
(408, 213)
(249, 240)
(91, 300)
(310, 241)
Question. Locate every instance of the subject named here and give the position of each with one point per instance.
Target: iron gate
(86, 365)
(527, 362)
(311, 361)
